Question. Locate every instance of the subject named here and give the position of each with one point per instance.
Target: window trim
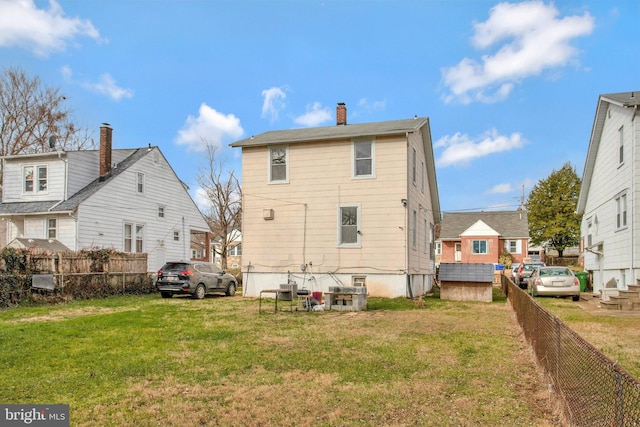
(622, 211)
(162, 211)
(48, 228)
(414, 166)
(136, 238)
(358, 242)
(486, 247)
(286, 164)
(35, 179)
(140, 183)
(354, 142)
(621, 146)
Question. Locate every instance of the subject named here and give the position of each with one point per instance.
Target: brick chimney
(105, 149)
(341, 114)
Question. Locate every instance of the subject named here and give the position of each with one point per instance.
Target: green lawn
(143, 360)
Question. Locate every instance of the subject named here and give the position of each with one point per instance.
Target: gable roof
(621, 99)
(393, 127)
(508, 224)
(74, 201)
(480, 228)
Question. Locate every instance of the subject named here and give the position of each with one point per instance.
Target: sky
(510, 88)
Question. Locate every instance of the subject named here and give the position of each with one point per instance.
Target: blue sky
(510, 87)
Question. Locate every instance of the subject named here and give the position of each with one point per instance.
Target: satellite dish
(52, 142)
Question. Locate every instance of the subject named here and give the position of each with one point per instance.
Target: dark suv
(525, 271)
(194, 278)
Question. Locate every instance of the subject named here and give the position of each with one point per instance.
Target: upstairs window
(133, 237)
(140, 183)
(414, 161)
(278, 164)
(621, 145)
(176, 235)
(160, 211)
(35, 179)
(363, 159)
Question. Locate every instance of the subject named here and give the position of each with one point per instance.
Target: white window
(140, 183)
(414, 236)
(35, 179)
(278, 164)
(363, 159)
(413, 165)
(160, 211)
(621, 211)
(52, 227)
(235, 250)
(422, 171)
(513, 246)
(133, 237)
(479, 247)
(349, 226)
(621, 145)
(176, 235)
(589, 233)
(426, 237)
(438, 248)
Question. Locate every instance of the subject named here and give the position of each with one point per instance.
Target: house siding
(97, 228)
(14, 181)
(610, 178)
(304, 230)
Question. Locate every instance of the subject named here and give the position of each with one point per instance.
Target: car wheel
(200, 291)
(576, 297)
(166, 294)
(231, 290)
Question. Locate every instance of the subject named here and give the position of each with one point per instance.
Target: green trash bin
(582, 278)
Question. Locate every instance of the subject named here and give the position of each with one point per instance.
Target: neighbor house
(127, 199)
(234, 249)
(481, 237)
(609, 198)
(345, 205)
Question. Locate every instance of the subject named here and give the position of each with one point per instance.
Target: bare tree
(33, 116)
(225, 194)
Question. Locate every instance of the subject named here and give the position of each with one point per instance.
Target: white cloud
(273, 102)
(105, 86)
(371, 106)
(41, 31)
(210, 127)
(533, 39)
(460, 149)
(500, 189)
(314, 116)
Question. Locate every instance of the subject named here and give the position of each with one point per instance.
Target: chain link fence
(595, 390)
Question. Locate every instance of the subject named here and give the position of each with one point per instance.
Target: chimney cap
(105, 124)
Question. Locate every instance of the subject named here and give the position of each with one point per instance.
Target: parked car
(524, 272)
(554, 281)
(514, 271)
(194, 278)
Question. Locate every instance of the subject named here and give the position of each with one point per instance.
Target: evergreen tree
(551, 209)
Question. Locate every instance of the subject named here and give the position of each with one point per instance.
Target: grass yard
(144, 360)
(615, 334)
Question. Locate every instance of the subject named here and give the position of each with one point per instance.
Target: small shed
(466, 282)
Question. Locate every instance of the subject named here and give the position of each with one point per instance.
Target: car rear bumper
(557, 291)
(175, 288)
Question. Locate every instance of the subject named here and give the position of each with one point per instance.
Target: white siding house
(128, 199)
(344, 205)
(610, 195)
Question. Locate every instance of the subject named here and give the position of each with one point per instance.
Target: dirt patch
(61, 315)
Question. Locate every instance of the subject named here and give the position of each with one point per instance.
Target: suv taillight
(186, 273)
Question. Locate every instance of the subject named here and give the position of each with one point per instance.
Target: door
(458, 252)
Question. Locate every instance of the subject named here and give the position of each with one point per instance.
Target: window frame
(162, 212)
(479, 241)
(48, 228)
(134, 239)
(622, 209)
(140, 183)
(414, 166)
(286, 164)
(355, 158)
(36, 181)
(621, 145)
(358, 242)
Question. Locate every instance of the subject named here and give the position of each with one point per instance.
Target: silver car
(194, 278)
(554, 281)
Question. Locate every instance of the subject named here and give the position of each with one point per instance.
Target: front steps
(628, 299)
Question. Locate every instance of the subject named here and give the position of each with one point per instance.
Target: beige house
(345, 205)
